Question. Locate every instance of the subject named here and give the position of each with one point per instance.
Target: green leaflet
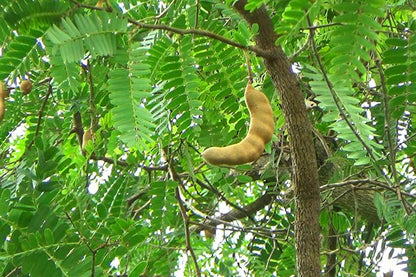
(95, 33)
(401, 74)
(128, 88)
(358, 137)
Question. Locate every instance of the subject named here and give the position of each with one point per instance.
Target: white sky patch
(392, 264)
(96, 180)
(115, 263)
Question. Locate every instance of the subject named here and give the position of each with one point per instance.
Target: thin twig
(364, 181)
(300, 50)
(84, 239)
(260, 52)
(124, 163)
(93, 118)
(314, 27)
(341, 111)
(164, 12)
(40, 114)
(187, 232)
(196, 14)
(387, 130)
(174, 176)
(248, 62)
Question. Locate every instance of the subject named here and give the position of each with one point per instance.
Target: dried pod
(86, 138)
(2, 109)
(4, 92)
(260, 132)
(26, 86)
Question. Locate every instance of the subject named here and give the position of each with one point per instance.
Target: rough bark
(236, 214)
(330, 268)
(304, 166)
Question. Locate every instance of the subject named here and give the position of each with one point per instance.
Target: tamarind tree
(106, 107)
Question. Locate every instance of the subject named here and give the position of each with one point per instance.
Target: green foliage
(127, 89)
(25, 16)
(20, 55)
(293, 18)
(95, 33)
(400, 83)
(351, 45)
(346, 117)
(139, 200)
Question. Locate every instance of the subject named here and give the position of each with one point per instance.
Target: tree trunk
(305, 171)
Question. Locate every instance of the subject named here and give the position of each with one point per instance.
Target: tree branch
(304, 164)
(175, 177)
(40, 113)
(239, 213)
(193, 31)
(260, 52)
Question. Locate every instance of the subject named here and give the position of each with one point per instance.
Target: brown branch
(239, 213)
(314, 27)
(93, 119)
(250, 72)
(42, 109)
(40, 114)
(77, 127)
(223, 198)
(364, 181)
(330, 267)
(84, 239)
(165, 11)
(81, 5)
(260, 52)
(304, 164)
(124, 163)
(193, 31)
(337, 102)
(390, 140)
(187, 231)
(174, 176)
(251, 208)
(137, 195)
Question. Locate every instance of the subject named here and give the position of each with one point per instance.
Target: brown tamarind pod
(260, 132)
(2, 109)
(100, 4)
(86, 138)
(4, 92)
(26, 86)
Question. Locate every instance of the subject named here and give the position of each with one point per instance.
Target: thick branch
(193, 31)
(240, 213)
(260, 52)
(305, 170)
(174, 176)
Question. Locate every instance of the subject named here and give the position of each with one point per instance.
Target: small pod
(2, 109)
(26, 86)
(260, 132)
(4, 92)
(86, 138)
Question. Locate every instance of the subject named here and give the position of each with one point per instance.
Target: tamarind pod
(4, 92)
(100, 4)
(261, 114)
(26, 86)
(260, 132)
(86, 138)
(247, 150)
(2, 109)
